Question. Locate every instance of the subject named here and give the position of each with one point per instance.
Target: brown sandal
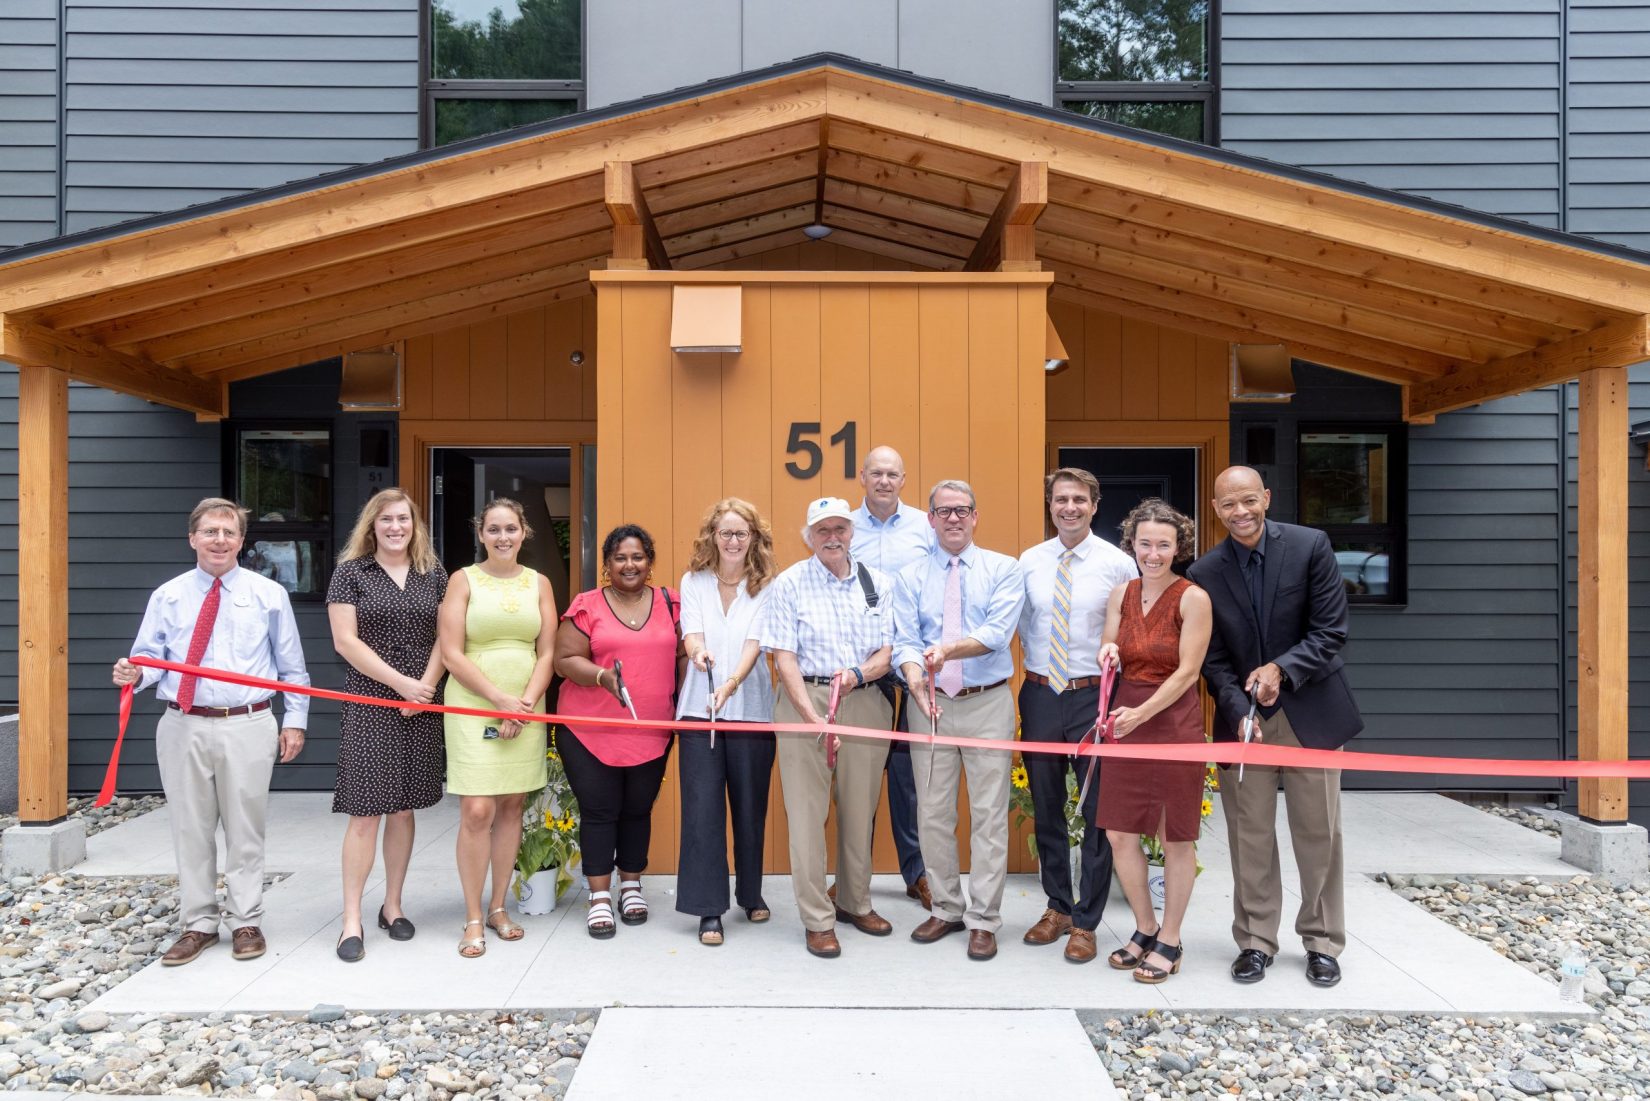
(1152, 975)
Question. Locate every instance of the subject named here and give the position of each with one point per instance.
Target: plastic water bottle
(1572, 972)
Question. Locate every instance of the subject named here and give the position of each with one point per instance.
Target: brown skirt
(1136, 795)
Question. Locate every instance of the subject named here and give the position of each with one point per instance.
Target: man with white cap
(826, 621)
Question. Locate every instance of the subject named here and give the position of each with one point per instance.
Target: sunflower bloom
(1017, 776)
(1208, 807)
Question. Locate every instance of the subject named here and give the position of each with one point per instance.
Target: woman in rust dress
(1157, 629)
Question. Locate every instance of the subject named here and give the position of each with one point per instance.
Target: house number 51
(812, 458)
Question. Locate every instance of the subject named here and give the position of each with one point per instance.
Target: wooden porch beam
(1601, 589)
(636, 240)
(1616, 344)
(1009, 241)
(42, 593)
(29, 345)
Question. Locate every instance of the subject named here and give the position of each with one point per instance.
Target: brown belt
(1076, 682)
(976, 690)
(222, 712)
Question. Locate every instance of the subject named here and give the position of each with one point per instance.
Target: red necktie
(197, 642)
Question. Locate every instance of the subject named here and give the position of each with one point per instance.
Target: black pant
(1045, 717)
(615, 805)
(902, 798)
(734, 778)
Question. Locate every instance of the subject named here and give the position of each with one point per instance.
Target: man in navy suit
(1280, 622)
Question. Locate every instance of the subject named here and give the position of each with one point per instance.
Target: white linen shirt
(824, 620)
(893, 544)
(1098, 567)
(992, 592)
(725, 636)
(254, 634)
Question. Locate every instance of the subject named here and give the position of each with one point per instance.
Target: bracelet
(858, 676)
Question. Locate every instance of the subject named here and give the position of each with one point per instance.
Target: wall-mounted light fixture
(705, 317)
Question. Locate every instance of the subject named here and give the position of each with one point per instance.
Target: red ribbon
(1224, 753)
(107, 793)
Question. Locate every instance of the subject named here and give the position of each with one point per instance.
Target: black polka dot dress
(387, 763)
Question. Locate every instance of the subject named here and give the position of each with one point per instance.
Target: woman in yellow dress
(498, 630)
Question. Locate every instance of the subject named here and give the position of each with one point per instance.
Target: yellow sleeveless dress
(500, 629)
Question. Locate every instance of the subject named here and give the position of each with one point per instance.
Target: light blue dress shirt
(993, 590)
(255, 635)
(893, 544)
(824, 620)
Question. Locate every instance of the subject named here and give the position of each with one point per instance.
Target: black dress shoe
(1322, 970)
(1251, 965)
(351, 949)
(400, 928)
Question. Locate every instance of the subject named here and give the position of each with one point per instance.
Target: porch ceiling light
(371, 381)
(705, 317)
(816, 231)
(1262, 373)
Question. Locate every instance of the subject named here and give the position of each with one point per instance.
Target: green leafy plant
(549, 828)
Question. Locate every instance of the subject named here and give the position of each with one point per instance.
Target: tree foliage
(1134, 40)
(539, 42)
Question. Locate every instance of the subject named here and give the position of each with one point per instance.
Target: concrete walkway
(762, 992)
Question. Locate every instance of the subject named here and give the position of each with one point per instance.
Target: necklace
(625, 607)
(730, 584)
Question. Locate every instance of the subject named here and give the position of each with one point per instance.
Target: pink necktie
(950, 678)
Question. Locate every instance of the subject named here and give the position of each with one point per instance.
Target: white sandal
(632, 906)
(599, 921)
(473, 947)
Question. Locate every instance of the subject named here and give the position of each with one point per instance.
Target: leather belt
(846, 687)
(1076, 682)
(222, 712)
(977, 689)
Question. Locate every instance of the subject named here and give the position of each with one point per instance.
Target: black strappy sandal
(710, 931)
(1150, 975)
(1124, 960)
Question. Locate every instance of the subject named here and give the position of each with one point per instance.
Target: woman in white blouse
(724, 593)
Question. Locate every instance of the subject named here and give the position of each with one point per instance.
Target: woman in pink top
(616, 772)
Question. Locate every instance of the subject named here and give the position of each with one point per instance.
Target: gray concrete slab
(865, 1054)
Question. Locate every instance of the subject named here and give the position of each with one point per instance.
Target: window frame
(321, 532)
(1206, 92)
(1395, 532)
(430, 89)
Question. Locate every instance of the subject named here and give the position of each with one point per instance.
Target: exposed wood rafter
(1009, 240)
(29, 345)
(636, 240)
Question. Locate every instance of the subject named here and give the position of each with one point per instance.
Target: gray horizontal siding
(28, 121)
(1609, 121)
(1457, 99)
(169, 104)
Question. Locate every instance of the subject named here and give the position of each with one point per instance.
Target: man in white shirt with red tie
(217, 743)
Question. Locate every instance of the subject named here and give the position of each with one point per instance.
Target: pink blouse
(649, 656)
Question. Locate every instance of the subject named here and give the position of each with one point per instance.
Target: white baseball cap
(826, 508)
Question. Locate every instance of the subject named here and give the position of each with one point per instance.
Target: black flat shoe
(1250, 965)
(351, 949)
(400, 928)
(1322, 970)
(710, 931)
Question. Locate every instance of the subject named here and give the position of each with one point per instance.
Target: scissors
(1249, 727)
(831, 740)
(624, 693)
(710, 683)
(1102, 729)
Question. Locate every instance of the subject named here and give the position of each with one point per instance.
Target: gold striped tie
(1059, 639)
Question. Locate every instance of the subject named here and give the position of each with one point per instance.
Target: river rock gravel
(1158, 1056)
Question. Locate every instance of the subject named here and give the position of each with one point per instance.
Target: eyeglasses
(218, 533)
(953, 512)
(733, 536)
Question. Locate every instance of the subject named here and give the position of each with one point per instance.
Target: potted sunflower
(549, 842)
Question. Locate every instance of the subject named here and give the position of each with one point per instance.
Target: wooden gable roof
(1456, 306)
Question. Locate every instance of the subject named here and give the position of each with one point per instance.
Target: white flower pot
(1154, 880)
(535, 894)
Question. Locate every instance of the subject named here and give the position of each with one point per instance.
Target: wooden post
(43, 594)
(1601, 589)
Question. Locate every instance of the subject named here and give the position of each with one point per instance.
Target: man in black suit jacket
(1280, 622)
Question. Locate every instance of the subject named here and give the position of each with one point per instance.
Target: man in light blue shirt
(955, 612)
(216, 743)
(890, 535)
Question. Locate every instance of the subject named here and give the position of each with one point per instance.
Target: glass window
(284, 476)
(1142, 63)
(494, 64)
(1350, 485)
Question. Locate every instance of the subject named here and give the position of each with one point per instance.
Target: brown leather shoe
(981, 945)
(869, 922)
(935, 928)
(919, 891)
(1080, 946)
(248, 941)
(187, 947)
(824, 945)
(1049, 928)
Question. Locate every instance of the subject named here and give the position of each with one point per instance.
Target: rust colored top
(1149, 643)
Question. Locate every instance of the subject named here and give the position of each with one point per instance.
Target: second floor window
(1142, 63)
(494, 64)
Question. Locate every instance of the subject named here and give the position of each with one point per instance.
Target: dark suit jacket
(1306, 620)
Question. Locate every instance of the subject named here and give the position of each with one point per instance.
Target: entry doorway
(1129, 475)
(463, 479)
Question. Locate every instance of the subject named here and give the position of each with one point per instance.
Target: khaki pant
(939, 772)
(807, 787)
(1313, 801)
(217, 771)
